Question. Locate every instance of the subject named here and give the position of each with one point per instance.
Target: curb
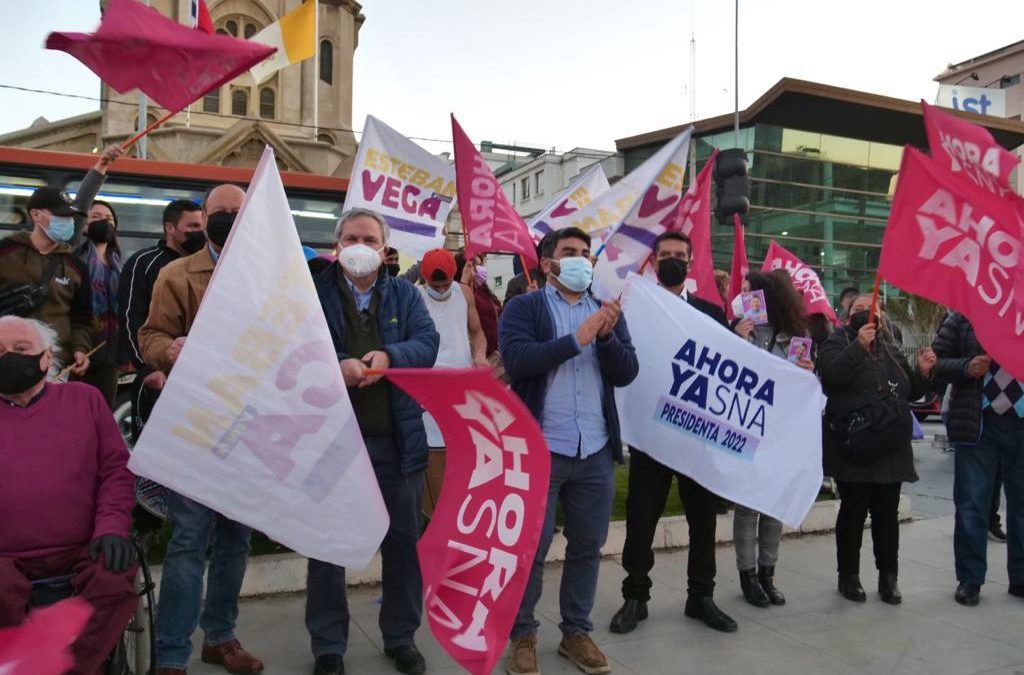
(286, 572)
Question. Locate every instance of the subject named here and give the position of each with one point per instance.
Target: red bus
(139, 189)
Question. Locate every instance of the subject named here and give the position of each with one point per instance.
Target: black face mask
(194, 242)
(394, 269)
(859, 319)
(101, 231)
(672, 271)
(19, 372)
(218, 226)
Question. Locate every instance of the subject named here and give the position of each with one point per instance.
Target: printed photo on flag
(742, 422)
(255, 421)
(413, 189)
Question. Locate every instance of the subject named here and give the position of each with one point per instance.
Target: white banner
(648, 209)
(255, 421)
(981, 100)
(413, 189)
(558, 214)
(740, 421)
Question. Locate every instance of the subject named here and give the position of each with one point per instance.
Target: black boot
(703, 608)
(851, 588)
(632, 612)
(766, 575)
(752, 591)
(888, 589)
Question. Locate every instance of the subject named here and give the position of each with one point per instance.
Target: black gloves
(118, 552)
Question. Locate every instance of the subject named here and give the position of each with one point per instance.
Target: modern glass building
(823, 163)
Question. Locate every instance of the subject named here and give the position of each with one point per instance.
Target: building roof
(821, 108)
(976, 61)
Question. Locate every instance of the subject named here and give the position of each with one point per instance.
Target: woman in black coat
(867, 442)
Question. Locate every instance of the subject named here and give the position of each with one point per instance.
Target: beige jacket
(179, 290)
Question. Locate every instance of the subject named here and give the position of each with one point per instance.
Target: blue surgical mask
(61, 228)
(438, 295)
(575, 273)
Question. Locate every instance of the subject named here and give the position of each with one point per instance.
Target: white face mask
(737, 306)
(359, 260)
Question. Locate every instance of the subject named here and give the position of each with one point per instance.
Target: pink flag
(489, 221)
(804, 278)
(969, 150)
(40, 645)
(477, 553)
(957, 244)
(740, 266)
(136, 47)
(694, 220)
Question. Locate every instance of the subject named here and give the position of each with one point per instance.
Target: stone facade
(231, 126)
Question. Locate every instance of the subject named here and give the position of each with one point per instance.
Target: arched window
(221, 31)
(239, 102)
(267, 100)
(250, 30)
(327, 61)
(232, 28)
(211, 102)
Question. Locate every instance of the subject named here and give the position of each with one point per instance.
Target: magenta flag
(694, 220)
(740, 266)
(969, 150)
(490, 223)
(40, 646)
(804, 278)
(136, 47)
(476, 555)
(958, 244)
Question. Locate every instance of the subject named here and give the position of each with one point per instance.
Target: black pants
(649, 483)
(883, 502)
(997, 495)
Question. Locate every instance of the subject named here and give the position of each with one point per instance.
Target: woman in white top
(463, 345)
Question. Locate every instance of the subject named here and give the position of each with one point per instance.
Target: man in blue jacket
(566, 352)
(376, 322)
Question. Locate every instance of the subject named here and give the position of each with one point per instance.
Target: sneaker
(996, 533)
(522, 656)
(584, 654)
(407, 659)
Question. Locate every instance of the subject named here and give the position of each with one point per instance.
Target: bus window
(315, 220)
(14, 193)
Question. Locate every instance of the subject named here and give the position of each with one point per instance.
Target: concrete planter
(286, 572)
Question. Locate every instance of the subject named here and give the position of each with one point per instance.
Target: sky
(559, 74)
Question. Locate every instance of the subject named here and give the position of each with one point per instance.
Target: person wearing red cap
(463, 344)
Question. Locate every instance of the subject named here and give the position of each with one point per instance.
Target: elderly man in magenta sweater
(66, 494)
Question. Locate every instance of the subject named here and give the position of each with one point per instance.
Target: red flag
(204, 21)
(694, 220)
(969, 150)
(40, 645)
(740, 266)
(136, 47)
(477, 553)
(957, 244)
(804, 278)
(488, 220)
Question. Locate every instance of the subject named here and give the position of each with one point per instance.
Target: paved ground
(816, 632)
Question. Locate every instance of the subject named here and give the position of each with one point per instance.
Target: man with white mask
(376, 322)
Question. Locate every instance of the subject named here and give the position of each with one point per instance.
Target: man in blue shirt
(566, 352)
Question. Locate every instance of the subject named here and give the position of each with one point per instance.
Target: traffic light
(732, 186)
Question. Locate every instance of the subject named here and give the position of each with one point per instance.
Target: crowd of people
(66, 495)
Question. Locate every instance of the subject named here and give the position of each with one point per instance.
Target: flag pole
(145, 132)
(316, 68)
(874, 298)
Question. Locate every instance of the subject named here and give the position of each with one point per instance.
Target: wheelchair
(135, 651)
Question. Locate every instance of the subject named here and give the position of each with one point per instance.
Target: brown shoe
(231, 655)
(584, 654)
(522, 656)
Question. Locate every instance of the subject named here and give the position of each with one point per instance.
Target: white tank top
(451, 319)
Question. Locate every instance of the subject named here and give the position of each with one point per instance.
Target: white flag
(558, 214)
(255, 421)
(740, 421)
(639, 215)
(413, 189)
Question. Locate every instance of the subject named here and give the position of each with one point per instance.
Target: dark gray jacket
(955, 345)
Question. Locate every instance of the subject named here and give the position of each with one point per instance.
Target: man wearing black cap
(40, 278)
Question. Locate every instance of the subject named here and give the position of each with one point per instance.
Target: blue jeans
(181, 585)
(1001, 444)
(327, 615)
(586, 488)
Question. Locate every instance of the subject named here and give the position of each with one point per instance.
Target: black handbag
(24, 300)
